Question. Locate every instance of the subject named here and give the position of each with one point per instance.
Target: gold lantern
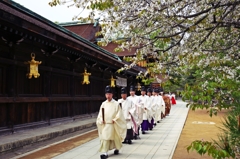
(112, 82)
(33, 67)
(138, 87)
(86, 77)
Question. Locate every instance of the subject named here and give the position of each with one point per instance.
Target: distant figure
(167, 101)
(112, 127)
(173, 98)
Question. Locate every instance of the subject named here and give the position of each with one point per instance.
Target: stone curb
(39, 138)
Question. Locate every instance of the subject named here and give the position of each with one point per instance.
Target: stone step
(23, 138)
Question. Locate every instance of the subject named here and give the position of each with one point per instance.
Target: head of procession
(108, 93)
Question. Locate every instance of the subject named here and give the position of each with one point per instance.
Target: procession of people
(119, 122)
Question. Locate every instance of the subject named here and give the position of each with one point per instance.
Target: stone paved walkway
(159, 143)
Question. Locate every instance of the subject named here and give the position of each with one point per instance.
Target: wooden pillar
(72, 91)
(11, 89)
(89, 87)
(47, 90)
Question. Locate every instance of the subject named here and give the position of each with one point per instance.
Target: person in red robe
(173, 98)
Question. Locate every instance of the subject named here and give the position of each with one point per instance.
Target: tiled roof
(111, 46)
(54, 25)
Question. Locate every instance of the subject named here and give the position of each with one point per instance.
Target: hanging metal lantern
(138, 87)
(112, 82)
(33, 67)
(86, 77)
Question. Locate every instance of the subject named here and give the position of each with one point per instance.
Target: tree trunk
(239, 122)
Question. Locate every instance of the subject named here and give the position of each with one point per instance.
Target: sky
(56, 14)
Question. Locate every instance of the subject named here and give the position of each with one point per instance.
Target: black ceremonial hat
(108, 89)
(149, 90)
(132, 88)
(156, 90)
(143, 88)
(160, 90)
(123, 90)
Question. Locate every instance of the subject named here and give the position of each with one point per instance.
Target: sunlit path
(157, 144)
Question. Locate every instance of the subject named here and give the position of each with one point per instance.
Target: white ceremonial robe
(158, 103)
(154, 107)
(149, 106)
(138, 108)
(127, 107)
(163, 105)
(111, 134)
(143, 100)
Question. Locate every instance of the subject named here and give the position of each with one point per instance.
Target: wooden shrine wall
(57, 94)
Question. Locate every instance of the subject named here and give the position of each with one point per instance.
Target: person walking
(128, 109)
(167, 101)
(149, 105)
(138, 114)
(157, 106)
(145, 110)
(111, 125)
(173, 99)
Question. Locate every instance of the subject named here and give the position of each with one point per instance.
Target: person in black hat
(149, 102)
(149, 92)
(155, 105)
(159, 105)
(111, 125)
(132, 88)
(145, 110)
(128, 110)
(138, 110)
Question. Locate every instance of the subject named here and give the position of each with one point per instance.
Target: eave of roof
(56, 26)
(74, 23)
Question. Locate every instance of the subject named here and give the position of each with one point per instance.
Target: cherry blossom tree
(176, 35)
(186, 39)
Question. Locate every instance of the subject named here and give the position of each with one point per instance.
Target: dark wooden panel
(48, 99)
(60, 85)
(1, 81)
(97, 88)
(63, 65)
(26, 86)
(60, 110)
(97, 73)
(29, 112)
(80, 108)
(3, 115)
(80, 89)
(94, 106)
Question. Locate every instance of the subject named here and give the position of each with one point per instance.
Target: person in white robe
(111, 125)
(154, 106)
(146, 109)
(138, 114)
(163, 112)
(149, 105)
(158, 105)
(128, 109)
